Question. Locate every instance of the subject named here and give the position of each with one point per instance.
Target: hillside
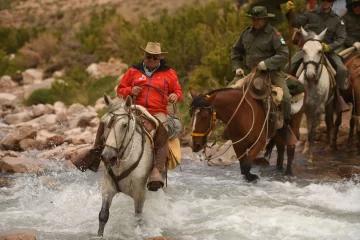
(16, 13)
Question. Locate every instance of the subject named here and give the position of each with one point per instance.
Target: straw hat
(153, 48)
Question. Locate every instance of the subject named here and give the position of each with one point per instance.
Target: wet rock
(18, 236)
(348, 171)
(21, 165)
(6, 182)
(29, 144)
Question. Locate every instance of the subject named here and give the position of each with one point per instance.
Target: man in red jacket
(152, 84)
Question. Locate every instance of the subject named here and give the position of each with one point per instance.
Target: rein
(113, 120)
(212, 125)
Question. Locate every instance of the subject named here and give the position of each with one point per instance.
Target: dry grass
(42, 12)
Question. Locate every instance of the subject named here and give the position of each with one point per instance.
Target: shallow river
(200, 202)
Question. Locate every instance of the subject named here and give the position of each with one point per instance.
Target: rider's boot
(161, 148)
(341, 105)
(90, 159)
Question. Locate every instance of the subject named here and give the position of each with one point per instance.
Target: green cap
(259, 12)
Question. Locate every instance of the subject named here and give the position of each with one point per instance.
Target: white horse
(127, 155)
(316, 74)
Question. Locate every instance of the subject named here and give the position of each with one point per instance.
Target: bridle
(212, 123)
(316, 64)
(123, 146)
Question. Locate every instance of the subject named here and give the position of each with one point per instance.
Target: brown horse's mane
(199, 100)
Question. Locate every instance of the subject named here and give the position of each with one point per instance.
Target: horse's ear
(322, 35)
(193, 93)
(304, 33)
(107, 99)
(128, 102)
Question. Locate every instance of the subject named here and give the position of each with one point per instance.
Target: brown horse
(245, 120)
(352, 94)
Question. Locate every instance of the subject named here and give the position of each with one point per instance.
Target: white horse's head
(312, 50)
(119, 127)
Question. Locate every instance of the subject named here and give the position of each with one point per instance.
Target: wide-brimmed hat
(153, 48)
(258, 88)
(259, 12)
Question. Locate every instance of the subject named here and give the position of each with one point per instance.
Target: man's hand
(357, 45)
(262, 66)
(172, 98)
(239, 72)
(325, 48)
(135, 90)
(290, 5)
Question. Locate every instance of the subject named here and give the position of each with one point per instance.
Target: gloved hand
(357, 45)
(325, 48)
(290, 5)
(239, 72)
(262, 66)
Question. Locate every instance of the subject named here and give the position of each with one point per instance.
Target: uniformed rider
(352, 24)
(317, 21)
(264, 48)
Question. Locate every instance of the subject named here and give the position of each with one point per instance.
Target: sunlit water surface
(200, 202)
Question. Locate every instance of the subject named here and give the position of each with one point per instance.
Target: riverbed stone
(21, 165)
(18, 236)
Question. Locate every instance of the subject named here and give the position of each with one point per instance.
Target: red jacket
(164, 79)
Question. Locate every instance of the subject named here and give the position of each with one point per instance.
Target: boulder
(12, 140)
(21, 165)
(31, 75)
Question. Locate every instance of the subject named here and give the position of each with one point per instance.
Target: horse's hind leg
(351, 132)
(280, 146)
(290, 150)
(336, 130)
(108, 193)
(329, 119)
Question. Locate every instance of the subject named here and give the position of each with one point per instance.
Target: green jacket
(317, 21)
(273, 6)
(352, 26)
(266, 45)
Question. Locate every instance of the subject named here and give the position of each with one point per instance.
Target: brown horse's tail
(269, 147)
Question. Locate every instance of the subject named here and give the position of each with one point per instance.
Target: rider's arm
(175, 87)
(340, 35)
(349, 40)
(237, 53)
(125, 85)
(300, 20)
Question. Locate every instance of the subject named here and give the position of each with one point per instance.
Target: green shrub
(43, 95)
(100, 86)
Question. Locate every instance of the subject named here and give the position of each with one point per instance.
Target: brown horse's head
(201, 121)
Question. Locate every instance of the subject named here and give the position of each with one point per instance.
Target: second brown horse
(247, 128)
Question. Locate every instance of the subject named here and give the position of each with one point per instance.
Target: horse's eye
(125, 125)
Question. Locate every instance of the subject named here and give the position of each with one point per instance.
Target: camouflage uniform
(317, 21)
(264, 45)
(272, 6)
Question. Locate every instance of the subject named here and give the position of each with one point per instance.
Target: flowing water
(200, 202)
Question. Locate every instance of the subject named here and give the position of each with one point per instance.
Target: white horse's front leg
(108, 192)
(139, 196)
